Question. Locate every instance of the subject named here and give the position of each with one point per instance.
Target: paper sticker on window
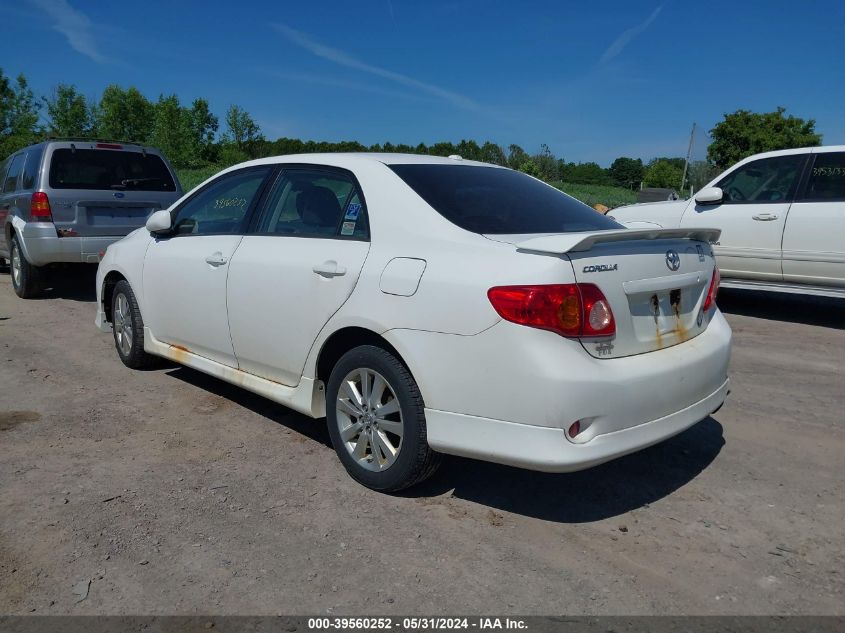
(352, 211)
(348, 228)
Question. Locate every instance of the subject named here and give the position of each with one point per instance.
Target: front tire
(128, 327)
(376, 419)
(26, 278)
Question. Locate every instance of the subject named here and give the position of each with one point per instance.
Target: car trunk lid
(655, 281)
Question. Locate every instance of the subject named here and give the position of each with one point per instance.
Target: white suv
(782, 216)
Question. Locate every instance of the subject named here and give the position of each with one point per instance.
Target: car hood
(665, 214)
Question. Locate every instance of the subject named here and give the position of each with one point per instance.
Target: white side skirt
(308, 397)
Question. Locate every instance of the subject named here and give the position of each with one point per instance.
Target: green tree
(18, 115)
(744, 133)
(517, 157)
(547, 164)
(126, 115)
(627, 172)
(203, 125)
(530, 167)
(662, 173)
(172, 132)
(585, 174)
(68, 113)
(492, 153)
(242, 136)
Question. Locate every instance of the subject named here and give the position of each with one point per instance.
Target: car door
(8, 191)
(184, 278)
(752, 215)
(814, 237)
(295, 268)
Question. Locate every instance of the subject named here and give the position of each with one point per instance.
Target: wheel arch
(109, 282)
(347, 338)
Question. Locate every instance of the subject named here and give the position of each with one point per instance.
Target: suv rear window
(109, 169)
(499, 201)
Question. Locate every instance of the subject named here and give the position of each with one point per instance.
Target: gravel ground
(169, 492)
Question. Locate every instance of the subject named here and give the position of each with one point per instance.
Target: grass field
(611, 197)
(589, 194)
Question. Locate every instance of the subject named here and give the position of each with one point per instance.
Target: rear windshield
(109, 169)
(492, 200)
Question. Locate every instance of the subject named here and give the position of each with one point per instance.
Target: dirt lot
(170, 492)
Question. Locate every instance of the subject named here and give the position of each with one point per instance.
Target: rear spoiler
(576, 242)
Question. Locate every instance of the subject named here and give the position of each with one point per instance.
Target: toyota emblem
(673, 260)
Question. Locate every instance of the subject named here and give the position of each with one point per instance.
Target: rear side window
(15, 167)
(315, 203)
(109, 169)
(30, 168)
(494, 200)
(827, 178)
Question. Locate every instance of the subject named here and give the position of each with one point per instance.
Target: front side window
(493, 200)
(11, 181)
(221, 207)
(109, 169)
(827, 178)
(764, 180)
(314, 203)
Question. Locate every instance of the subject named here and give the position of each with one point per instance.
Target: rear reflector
(108, 146)
(572, 310)
(575, 428)
(713, 290)
(39, 207)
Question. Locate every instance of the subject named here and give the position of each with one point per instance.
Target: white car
(782, 216)
(427, 305)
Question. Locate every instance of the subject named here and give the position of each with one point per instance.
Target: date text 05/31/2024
(415, 623)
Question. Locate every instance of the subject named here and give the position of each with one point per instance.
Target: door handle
(329, 269)
(216, 259)
(764, 217)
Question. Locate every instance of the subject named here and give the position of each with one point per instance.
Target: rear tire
(26, 278)
(376, 419)
(128, 327)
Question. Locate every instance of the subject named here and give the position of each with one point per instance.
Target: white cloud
(345, 59)
(623, 40)
(75, 26)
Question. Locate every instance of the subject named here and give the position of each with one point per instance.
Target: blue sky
(593, 80)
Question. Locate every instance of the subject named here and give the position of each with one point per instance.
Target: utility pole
(689, 154)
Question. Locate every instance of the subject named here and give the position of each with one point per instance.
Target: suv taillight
(572, 310)
(713, 290)
(39, 207)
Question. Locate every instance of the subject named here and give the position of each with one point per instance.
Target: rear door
(106, 189)
(814, 237)
(295, 269)
(752, 216)
(184, 278)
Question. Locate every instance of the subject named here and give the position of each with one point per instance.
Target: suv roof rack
(88, 139)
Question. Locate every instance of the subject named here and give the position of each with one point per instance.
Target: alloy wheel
(16, 264)
(369, 419)
(123, 324)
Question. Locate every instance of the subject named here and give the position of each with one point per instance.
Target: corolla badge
(119, 194)
(673, 260)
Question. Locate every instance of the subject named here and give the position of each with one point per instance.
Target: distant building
(656, 194)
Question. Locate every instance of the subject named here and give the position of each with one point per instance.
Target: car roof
(350, 159)
(797, 150)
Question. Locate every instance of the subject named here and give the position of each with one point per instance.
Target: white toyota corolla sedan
(427, 305)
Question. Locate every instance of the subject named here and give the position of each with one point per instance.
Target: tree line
(191, 137)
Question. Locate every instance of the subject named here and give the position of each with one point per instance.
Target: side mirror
(159, 222)
(709, 195)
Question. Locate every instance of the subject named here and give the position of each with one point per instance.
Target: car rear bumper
(549, 449)
(41, 245)
(485, 392)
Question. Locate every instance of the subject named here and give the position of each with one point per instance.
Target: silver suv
(66, 200)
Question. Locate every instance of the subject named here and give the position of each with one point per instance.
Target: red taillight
(108, 146)
(710, 300)
(39, 207)
(569, 309)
